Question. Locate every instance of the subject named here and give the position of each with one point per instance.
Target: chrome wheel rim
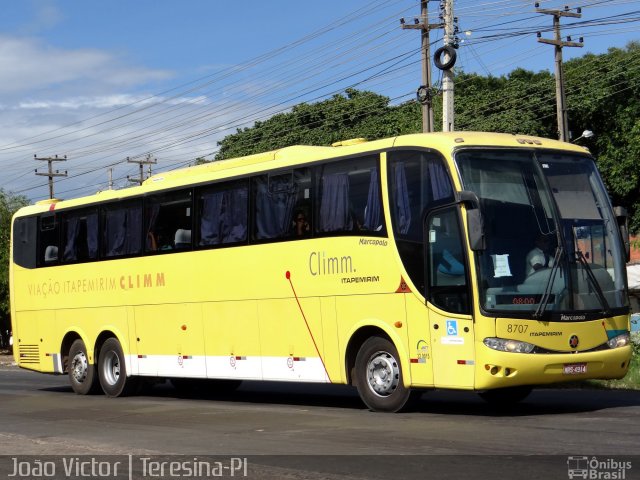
(111, 368)
(79, 367)
(383, 373)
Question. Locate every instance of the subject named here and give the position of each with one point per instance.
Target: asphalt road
(323, 431)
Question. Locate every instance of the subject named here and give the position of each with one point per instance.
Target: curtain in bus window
(372, 211)
(152, 235)
(92, 235)
(402, 205)
(71, 248)
(440, 183)
(133, 241)
(114, 229)
(122, 232)
(210, 218)
(224, 217)
(234, 216)
(334, 206)
(274, 209)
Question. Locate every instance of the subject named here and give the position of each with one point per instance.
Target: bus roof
(445, 142)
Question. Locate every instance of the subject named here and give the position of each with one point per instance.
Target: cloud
(29, 66)
(96, 107)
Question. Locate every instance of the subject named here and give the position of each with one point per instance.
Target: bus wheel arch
(353, 347)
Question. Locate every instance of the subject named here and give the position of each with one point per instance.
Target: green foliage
(603, 95)
(355, 114)
(9, 204)
(511, 104)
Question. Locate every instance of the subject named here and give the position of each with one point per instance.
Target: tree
(355, 114)
(517, 103)
(605, 98)
(9, 204)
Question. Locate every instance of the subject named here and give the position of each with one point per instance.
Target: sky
(100, 82)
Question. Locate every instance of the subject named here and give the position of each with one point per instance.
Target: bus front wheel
(379, 377)
(82, 373)
(112, 370)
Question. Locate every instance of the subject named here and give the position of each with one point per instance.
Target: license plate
(574, 368)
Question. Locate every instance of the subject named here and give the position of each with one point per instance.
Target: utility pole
(50, 173)
(141, 163)
(111, 179)
(561, 102)
(447, 79)
(424, 93)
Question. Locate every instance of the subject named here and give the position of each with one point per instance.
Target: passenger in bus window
(300, 225)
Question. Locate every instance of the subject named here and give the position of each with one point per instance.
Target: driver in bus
(541, 256)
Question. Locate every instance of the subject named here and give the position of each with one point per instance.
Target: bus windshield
(552, 242)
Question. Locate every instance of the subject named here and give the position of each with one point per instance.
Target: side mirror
(476, 230)
(468, 198)
(623, 225)
(475, 222)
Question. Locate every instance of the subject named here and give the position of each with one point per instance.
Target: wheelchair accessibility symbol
(452, 328)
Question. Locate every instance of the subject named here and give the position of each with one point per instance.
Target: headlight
(504, 345)
(619, 341)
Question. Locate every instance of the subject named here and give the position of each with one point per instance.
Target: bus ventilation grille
(29, 354)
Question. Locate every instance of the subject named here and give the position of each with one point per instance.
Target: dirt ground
(6, 358)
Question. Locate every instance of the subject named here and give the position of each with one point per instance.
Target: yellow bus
(472, 261)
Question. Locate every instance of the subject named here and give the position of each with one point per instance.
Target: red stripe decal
(304, 317)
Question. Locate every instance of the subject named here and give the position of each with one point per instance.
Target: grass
(632, 380)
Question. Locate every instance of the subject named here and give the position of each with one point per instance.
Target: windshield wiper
(544, 301)
(585, 265)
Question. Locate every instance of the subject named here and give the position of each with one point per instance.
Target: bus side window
(80, 236)
(274, 197)
(302, 218)
(168, 221)
(121, 230)
(446, 262)
(349, 197)
(222, 214)
(25, 232)
(48, 240)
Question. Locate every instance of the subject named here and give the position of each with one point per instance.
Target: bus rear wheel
(112, 370)
(378, 377)
(82, 373)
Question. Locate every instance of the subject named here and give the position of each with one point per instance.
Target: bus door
(447, 294)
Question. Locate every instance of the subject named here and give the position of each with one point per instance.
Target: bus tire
(82, 373)
(505, 397)
(378, 377)
(112, 370)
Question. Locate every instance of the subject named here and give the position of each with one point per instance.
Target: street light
(585, 134)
